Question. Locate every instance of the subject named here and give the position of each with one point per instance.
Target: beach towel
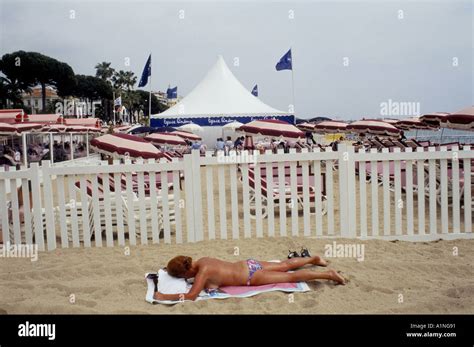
(171, 285)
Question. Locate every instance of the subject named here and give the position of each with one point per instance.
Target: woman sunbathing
(211, 273)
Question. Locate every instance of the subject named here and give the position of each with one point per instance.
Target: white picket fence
(421, 195)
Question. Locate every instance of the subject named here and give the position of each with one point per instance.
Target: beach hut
(217, 100)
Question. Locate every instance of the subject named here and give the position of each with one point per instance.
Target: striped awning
(18, 128)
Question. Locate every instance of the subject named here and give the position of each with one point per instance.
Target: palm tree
(104, 71)
(130, 80)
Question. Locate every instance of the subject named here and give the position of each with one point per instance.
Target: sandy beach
(430, 278)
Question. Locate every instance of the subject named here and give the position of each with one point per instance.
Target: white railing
(408, 195)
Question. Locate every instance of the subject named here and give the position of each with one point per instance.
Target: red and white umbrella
(306, 126)
(166, 139)
(373, 127)
(82, 129)
(125, 145)
(434, 119)
(18, 128)
(414, 123)
(54, 128)
(330, 126)
(461, 120)
(272, 127)
(187, 135)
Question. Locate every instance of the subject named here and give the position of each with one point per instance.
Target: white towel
(171, 285)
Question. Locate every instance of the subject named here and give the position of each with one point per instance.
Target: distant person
(229, 143)
(309, 138)
(220, 144)
(238, 143)
(196, 145)
(402, 136)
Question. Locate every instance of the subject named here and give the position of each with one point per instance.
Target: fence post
(36, 206)
(189, 195)
(347, 190)
(48, 206)
(197, 197)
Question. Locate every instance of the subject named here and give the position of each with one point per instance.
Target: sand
(394, 277)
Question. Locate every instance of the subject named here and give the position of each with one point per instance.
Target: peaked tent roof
(219, 93)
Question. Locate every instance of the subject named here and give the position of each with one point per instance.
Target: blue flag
(172, 93)
(255, 90)
(285, 62)
(146, 73)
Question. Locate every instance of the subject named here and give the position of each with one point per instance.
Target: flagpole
(293, 81)
(149, 99)
(113, 104)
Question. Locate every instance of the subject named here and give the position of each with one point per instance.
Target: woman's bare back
(223, 273)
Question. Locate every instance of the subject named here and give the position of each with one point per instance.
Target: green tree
(10, 91)
(32, 68)
(104, 71)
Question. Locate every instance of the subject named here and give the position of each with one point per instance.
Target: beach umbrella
(140, 130)
(125, 145)
(373, 127)
(164, 129)
(232, 125)
(191, 127)
(330, 126)
(82, 129)
(318, 119)
(18, 128)
(306, 126)
(166, 139)
(414, 123)
(272, 127)
(54, 128)
(300, 120)
(460, 120)
(187, 135)
(434, 119)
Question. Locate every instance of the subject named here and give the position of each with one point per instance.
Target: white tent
(218, 100)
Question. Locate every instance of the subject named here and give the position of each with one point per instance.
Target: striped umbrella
(82, 129)
(166, 139)
(187, 135)
(414, 123)
(330, 126)
(54, 128)
(191, 127)
(18, 128)
(460, 120)
(125, 145)
(306, 126)
(434, 119)
(272, 127)
(373, 127)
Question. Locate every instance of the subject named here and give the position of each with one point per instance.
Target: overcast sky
(405, 60)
